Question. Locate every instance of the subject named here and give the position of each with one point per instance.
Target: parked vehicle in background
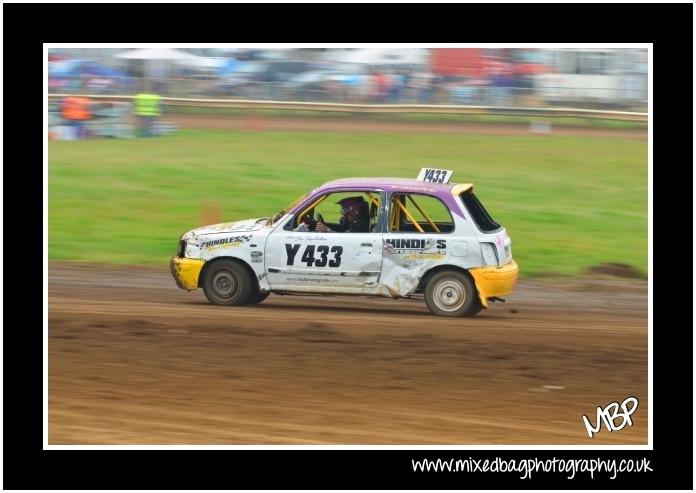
(309, 86)
(594, 78)
(261, 79)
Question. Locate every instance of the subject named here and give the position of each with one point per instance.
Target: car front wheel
(258, 297)
(452, 294)
(228, 283)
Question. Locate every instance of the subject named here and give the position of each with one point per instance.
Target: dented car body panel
(405, 244)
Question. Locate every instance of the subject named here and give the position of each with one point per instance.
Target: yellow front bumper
(186, 271)
(495, 281)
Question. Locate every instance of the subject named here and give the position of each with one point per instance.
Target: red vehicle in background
(484, 62)
(457, 62)
(482, 76)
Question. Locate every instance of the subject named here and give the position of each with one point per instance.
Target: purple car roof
(388, 183)
(441, 190)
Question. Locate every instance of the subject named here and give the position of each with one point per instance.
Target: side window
(419, 213)
(374, 200)
(329, 209)
(484, 221)
(343, 212)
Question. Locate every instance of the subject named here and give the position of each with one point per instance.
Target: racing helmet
(351, 208)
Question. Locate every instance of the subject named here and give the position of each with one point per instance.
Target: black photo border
(27, 26)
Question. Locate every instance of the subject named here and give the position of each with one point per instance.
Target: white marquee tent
(157, 61)
(156, 54)
(382, 56)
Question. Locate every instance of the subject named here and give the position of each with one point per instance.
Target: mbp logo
(609, 414)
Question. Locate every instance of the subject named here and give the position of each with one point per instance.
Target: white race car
(390, 237)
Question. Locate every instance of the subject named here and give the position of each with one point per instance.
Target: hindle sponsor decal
(413, 245)
(235, 240)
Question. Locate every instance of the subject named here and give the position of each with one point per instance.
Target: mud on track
(135, 360)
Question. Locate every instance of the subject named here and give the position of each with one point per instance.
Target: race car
(408, 238)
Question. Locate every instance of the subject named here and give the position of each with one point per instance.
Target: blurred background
(590, 78)
(555, 140)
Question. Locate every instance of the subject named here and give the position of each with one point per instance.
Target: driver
(355, 218)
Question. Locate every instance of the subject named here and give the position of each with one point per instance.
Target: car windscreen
(478, 212)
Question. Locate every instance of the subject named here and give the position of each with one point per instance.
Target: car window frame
(315, 199)
(407, 193)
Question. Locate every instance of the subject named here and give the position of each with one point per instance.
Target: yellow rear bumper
(495, 281)
(186, 272)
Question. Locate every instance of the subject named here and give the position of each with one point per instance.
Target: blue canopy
(104, 71)
(230, 66)
(73, 68)
(65, 68)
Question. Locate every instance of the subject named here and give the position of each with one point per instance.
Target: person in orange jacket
(76, 111)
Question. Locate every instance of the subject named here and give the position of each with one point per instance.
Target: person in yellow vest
(147, 111)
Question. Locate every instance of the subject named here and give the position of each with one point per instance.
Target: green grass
(562, 121)
(568, 202)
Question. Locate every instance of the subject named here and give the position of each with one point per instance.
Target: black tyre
(452, 294)
(258, 297)
(228, 283)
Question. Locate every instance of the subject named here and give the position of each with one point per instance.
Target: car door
(418, 238)
(335, 262)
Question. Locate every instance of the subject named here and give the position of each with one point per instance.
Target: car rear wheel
(228, 283)
(452, 294)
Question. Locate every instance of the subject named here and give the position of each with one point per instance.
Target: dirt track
(135, 360)
(349, 124)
